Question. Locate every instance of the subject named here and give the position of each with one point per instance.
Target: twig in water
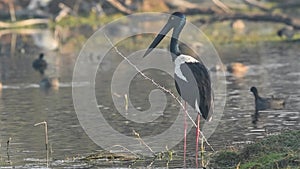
(46, 139)
(142, 141)
(7, 144)
(170, 154)
(7, 149)
(126, 103)
(150, 165)
(125, 149)
(158, 86)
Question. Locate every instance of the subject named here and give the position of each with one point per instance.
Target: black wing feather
(198, 73)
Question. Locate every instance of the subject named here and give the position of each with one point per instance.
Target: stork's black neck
(174, 49)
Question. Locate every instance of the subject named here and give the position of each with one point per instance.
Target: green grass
(270, 160)
(227, 158)
(278, 151)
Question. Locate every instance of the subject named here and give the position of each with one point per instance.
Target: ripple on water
(258, 130)
(289, 115)
(289, 123)
(275, 65)
(35, 160)
(293, 74)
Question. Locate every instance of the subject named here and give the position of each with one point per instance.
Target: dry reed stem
(46, 139)
(124, 148)
(142, 141)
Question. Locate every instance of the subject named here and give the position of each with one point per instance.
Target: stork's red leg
(184, 141)
(197, 137)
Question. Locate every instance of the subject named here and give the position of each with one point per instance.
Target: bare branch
(120, 7)
(191, 8)
(291, 4)
(277, 18)
(222, 6)
(257, 4)
(12, 11)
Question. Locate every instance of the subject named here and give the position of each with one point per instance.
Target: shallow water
(273, 68)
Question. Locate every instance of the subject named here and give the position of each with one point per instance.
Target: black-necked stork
(192, 78)
(40, 64)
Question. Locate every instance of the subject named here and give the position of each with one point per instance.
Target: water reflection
(255, 117)
(12, 39)
(46, 83)
(46, 39)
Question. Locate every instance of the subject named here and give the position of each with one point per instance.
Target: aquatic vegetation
(276, 151)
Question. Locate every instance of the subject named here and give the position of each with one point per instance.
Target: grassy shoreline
(276, 151)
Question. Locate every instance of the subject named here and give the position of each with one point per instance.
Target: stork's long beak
(159, 37)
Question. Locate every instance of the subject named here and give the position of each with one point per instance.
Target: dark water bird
(49, 82)
(287, 32)
(266, 103)
(40, 64)
(192, 78)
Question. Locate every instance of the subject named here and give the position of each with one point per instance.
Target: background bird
(40, 64)
(287, 32)
(266, 103)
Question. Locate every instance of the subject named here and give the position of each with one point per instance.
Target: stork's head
(176, 22)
